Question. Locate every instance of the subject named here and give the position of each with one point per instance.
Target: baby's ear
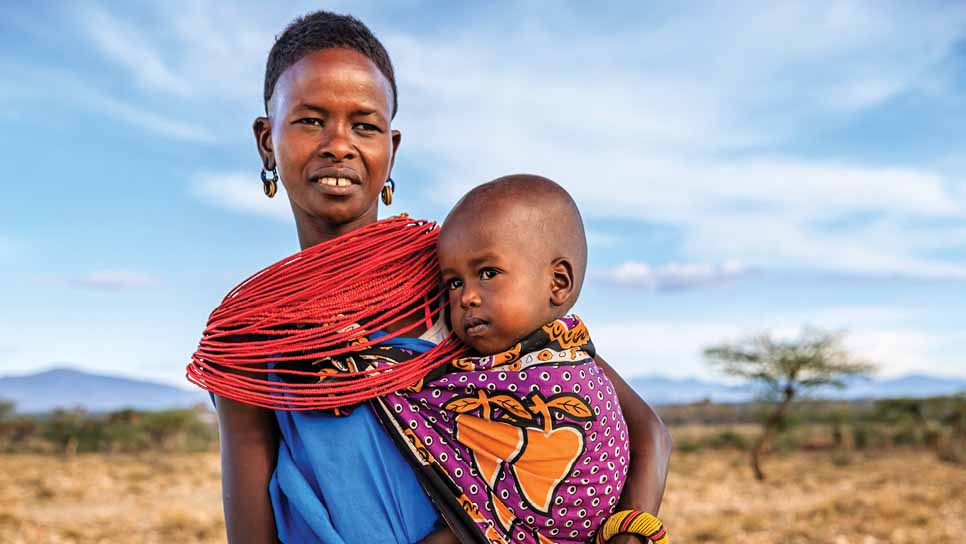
(562, 282)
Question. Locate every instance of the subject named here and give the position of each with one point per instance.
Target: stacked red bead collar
(321, 302)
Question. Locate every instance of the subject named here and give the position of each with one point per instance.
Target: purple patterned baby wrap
(531, 442)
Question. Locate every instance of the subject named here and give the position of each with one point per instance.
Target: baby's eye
(488, 273)
(453, 284)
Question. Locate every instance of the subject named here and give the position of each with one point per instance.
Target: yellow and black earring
(270, 184)
(387, 190)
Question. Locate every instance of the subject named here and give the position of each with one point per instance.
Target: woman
(330, 97)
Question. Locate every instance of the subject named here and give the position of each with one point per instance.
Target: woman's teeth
(335, 182)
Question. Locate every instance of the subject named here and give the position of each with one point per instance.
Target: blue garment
(342, 480)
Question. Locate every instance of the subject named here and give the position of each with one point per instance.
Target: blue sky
(741, 167)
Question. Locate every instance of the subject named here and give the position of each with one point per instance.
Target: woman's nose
(337, 144)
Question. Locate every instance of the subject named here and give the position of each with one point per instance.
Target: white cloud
(888, 248)
(843, 317)
(672, 276)
(191, 50)
(601, 240)
(641, 347)
(39, 84)
(897, 350)
(243, 193)
(126, 45)
(673, 79)
(152, 121)
(116, 280)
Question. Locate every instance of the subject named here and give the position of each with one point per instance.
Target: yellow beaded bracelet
(634, 522)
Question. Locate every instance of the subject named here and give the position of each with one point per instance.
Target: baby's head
(513, 255)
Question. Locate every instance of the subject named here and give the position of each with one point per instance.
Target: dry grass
(110, 498)
(896, 496)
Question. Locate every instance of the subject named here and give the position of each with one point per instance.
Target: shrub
(128, 431)
(728, 439)
(687, 446)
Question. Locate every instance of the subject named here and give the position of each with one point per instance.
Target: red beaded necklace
(325, 301)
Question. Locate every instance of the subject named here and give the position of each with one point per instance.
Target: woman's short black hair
(325, 30)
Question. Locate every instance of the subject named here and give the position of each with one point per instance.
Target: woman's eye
(488, 273)
(311, 121)
(454, 284)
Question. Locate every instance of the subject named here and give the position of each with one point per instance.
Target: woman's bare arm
(440, 536)
(650, 444)
(249, 447)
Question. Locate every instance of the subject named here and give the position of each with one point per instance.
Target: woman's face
(328, 133)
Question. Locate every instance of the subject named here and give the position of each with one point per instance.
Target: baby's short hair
(548, 209)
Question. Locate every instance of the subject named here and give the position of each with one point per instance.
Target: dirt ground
(896, 496)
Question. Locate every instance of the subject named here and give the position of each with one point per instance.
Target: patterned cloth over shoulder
(528, 445)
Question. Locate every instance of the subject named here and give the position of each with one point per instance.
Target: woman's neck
(312, 231)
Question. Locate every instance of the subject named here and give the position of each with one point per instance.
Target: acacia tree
(783, 370)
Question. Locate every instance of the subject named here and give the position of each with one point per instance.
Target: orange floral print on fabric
(567, 338)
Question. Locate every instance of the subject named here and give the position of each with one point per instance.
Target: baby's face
(499, 291)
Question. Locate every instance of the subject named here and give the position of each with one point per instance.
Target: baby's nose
(470, 298)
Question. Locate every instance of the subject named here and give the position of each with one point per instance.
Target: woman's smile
(337, 180)
(338, 187)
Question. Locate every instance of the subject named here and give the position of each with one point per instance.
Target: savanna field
(820, 488)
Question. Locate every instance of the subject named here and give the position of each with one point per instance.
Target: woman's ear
(262, 127)
(562, 281)
(396, 138)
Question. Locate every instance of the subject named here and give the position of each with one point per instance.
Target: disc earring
(270, 184)
(387, 190)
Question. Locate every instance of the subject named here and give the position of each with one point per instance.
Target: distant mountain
(662, 390)
(658, 389)
(70, 388)
(909, 385)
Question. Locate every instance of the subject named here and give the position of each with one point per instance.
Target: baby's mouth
(474, 326)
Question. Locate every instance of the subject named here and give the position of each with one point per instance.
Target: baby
(527, 435)
(512, 254)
